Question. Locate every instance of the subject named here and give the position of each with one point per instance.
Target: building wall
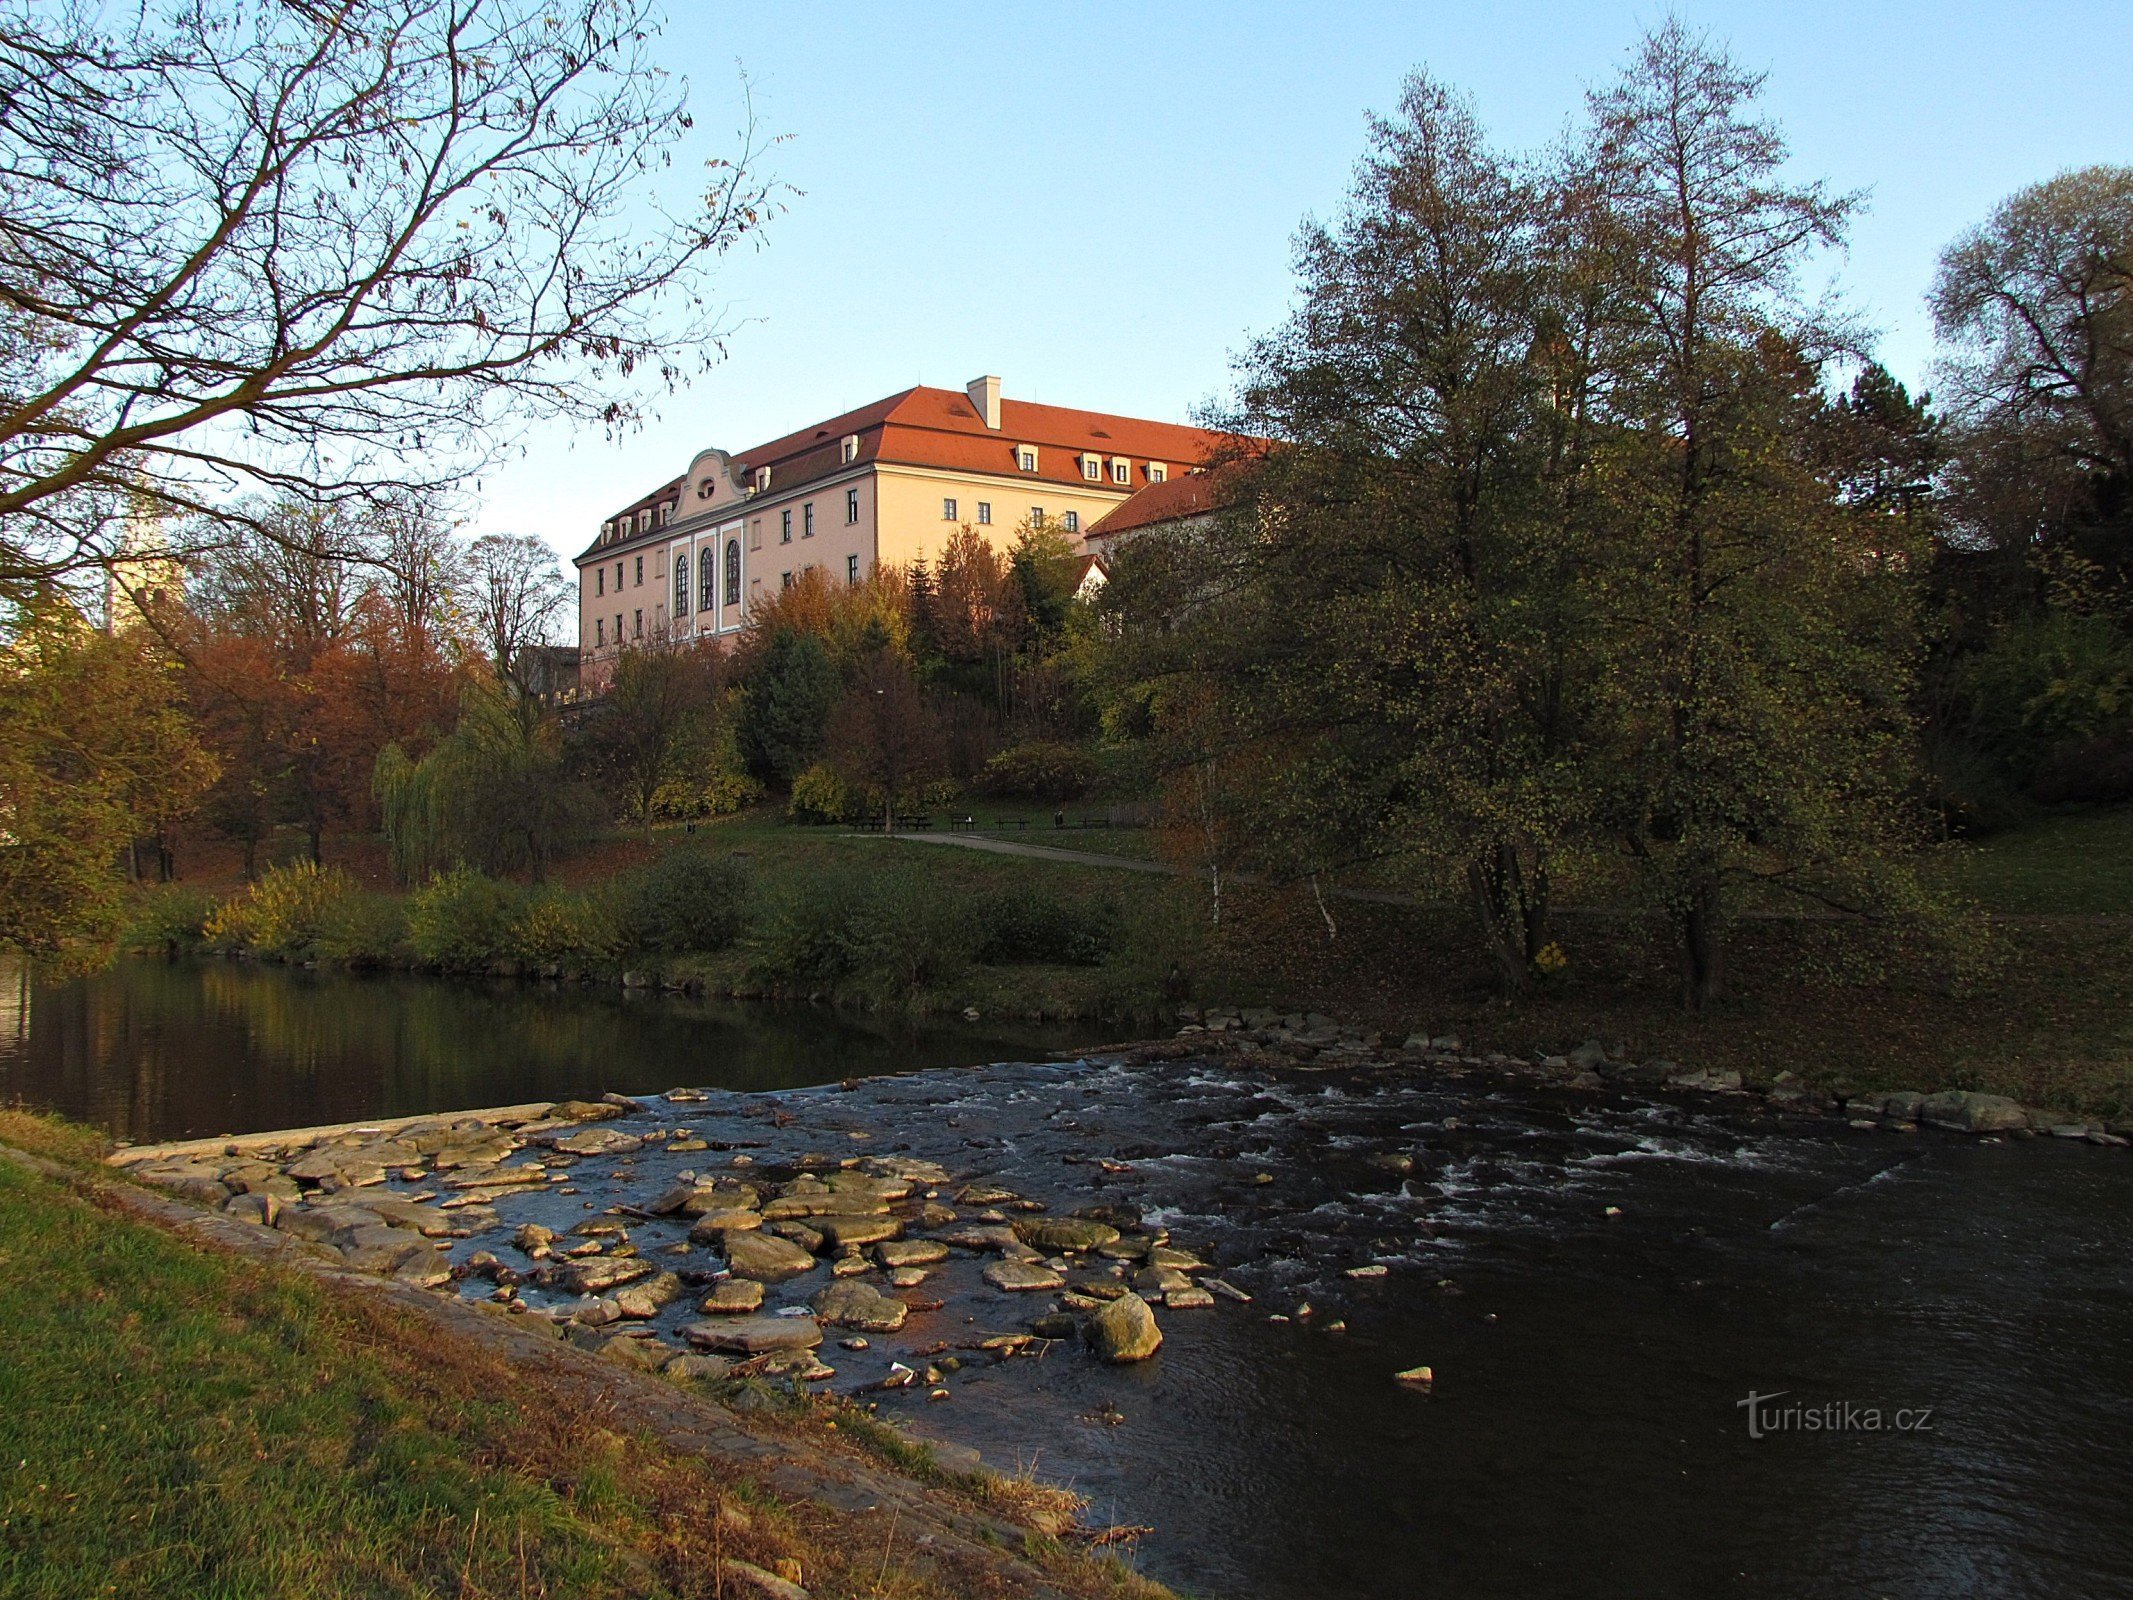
(914, 528)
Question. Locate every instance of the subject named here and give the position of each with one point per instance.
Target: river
(1941, 1329)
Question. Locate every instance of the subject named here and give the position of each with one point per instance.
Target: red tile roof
(1186, 495)
(941, 428)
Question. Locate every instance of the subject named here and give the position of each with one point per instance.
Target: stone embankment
(1312, 1040)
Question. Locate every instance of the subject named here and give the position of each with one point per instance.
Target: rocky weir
(1189, 1278)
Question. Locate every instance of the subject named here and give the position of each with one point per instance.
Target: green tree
(786, 705)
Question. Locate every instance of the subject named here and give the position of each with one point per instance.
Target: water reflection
(150, 1049)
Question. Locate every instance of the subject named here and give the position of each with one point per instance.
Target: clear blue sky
(1097, 201)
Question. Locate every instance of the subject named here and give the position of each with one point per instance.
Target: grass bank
(754, 905)
(176, 1420)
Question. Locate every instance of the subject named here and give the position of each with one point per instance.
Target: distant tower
(143, 574)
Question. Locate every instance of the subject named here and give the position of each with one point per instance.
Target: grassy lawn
(2079, 864)
(174, 1421)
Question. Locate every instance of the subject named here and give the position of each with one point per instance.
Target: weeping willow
(493, 794)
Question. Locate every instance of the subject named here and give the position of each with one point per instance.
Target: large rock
(1064, 1233)
(861, 1306)
(1124, 1330)
(1971, 1112)
(599, 1142)
(765, 1257)
(648, 1298)
(754, 1336)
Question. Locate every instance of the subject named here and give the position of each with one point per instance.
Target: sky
(1097, 201)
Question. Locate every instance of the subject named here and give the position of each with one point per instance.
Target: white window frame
(1073, 522)
(1121, 470)
(984, 513)
(948, 508)
(1157, 472)
(851, 448)
(1026, 458)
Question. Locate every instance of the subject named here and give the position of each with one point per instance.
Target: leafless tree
(514, 589)
(336, 248)
(417, 565)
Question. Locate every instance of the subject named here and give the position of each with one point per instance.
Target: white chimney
(985, 395)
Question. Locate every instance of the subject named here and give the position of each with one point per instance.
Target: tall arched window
(733, 572)
(681, 584)
(706, 582)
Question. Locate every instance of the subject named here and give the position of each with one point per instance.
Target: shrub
(283, 913)
(1025, 926)
(1039, 770)
(566, 925)
(463, 919)
(686, 900)
(819, 795)
(171, 916)
(364, 930)
(887, 927)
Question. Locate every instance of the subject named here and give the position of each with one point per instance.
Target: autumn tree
(884, 738)
(97, 751)
(334, 252)
(660, 710)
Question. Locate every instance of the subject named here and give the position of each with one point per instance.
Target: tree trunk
(1485, 878)
(315, 832)
(1702, 945)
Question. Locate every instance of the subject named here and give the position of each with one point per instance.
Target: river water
(1956, 1315)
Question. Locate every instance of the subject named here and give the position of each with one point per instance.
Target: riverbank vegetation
(266, 1435)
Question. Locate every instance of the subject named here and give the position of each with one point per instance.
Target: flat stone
(600, 1274)
(1190, 1299)
(714, 1225)
(1018, 1276)
(861, 1306)
(912, 1277)
(754, 1336)
(910, 1252)
(647, 1298)
(765, 1257)
(734, 1297)
(599, 1142)
(861, 1230)
(987, 1238)
(1064, 1233)
(1125, 1330)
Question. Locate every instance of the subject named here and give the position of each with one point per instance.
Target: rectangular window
(637, 617)
(851, 569)
(640, 572)
(1091, 468)
(599, 580)
(755, 534)
(984, 513)
(618, 577)
(618, 628)
(1073, 522)
(1157, 472)
(947, 511)
(807, 520)
(599, 630)
(1026, 459)
(1121, 471)
(784, 580)
(785, 526)
(1036, 516)
(851, 505)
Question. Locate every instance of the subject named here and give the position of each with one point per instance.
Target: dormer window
(851, 448)
(762, 480)
(607, 529)
(1092, 467)
(1157, 472)
(1026, 457)
(1121, 470)
(644, 520)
